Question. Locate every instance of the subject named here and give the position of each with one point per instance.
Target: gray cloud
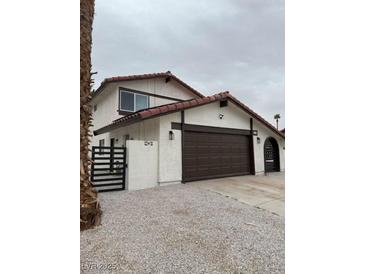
(213, 45)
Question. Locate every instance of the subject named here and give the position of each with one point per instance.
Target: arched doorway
(271, 155)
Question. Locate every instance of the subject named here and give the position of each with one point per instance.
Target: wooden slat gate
(108, 165)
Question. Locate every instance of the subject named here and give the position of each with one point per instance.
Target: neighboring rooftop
(174, 107)
(167, 75)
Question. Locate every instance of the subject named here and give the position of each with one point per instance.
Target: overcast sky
(213, 45)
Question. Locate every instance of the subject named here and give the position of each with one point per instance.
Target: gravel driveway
(182, 229)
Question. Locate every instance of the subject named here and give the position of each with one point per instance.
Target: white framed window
(130, 101)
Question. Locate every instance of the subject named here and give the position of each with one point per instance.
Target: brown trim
(252, 150)
(124, 112)
(223, 103)
(175, 125)
(150, 94)
(182, 127)
(247, 110)
(209, 129)
(118, 110)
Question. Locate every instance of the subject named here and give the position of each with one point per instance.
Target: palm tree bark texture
(90, 212)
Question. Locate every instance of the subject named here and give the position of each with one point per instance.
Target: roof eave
(214, 98)
(255, 115)
(141, 77)
(113, 126)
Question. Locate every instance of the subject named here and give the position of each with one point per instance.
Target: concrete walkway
(266, 192)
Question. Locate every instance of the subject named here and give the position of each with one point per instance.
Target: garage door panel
(208, 155)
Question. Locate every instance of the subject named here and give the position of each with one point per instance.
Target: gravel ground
(182, 229)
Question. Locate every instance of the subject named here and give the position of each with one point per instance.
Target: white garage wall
(170, 153)
(208, 115)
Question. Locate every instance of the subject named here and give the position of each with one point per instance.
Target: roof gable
(167, 75)
(179, 106)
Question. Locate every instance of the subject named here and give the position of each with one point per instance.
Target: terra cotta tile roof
(179, 106)
(143, 77)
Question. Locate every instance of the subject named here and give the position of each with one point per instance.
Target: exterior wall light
(171, 135)
(221, 116)
(258, 140)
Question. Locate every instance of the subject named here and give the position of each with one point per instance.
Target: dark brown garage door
(211, 155)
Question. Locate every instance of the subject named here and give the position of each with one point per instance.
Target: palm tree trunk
(277, 124)
(90, 212)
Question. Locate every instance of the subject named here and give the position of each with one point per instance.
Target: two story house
(173, 133)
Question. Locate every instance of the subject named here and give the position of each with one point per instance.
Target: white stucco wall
(105, 136)
(145, 130)
(208, 115)
(142, 159)
(107, 107)
(263, 133)
(107, 102)
(170, 153)
(158, 86)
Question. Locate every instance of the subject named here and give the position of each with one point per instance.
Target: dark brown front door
(212, 155)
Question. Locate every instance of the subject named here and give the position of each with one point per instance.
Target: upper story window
(130, 101)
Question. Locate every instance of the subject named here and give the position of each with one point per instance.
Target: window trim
(120, 109)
